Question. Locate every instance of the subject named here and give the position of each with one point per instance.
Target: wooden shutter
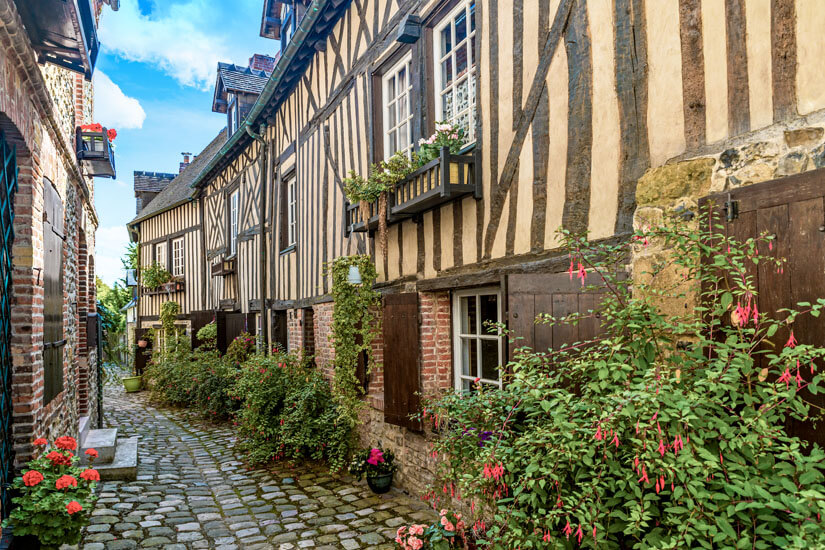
(142, 355)
(91, 331)
(792, 209)
(53, 339)
(199, 319)
(401, 360)
(531, 294)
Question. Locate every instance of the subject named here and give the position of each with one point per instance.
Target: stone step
(124, 466)
(85, 425)
(103, 441)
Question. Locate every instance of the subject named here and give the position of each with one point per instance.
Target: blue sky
(153, 82)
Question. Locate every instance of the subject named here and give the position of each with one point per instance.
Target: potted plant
(55, 497)
(154, 276)
(134, 382)
(142, 343)
(378, 465)
(447, 533)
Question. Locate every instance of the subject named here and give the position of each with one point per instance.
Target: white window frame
(234, 199)
(161, 255)
(292, 212)
(479, 335)
(470, 73)
(177, 257)
(392, 105)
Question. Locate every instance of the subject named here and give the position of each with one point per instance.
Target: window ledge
(287, 250)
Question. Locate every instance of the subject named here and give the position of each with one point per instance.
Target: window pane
(467, 385)
(469, 315)
(473, 50)
(392, 118)
(390, 89)
(446, 72)
(393, 143)
(461, 60)
(461, 27)
(402, 137)
(462, 96)
(469, 356)
(489, 311)
(402, 80)
(489, 359)
(472, 16)
(447, 106)
(446, 41)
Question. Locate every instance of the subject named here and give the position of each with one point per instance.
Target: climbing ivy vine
(354, 315)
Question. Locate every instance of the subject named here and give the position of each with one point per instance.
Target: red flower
(40, 442)
(64, 482)
(32, 478)
(59, 459)
(73, 507)
(95, 127)
(111, 133)
(91, 453)
(66, 443)
(90, 475)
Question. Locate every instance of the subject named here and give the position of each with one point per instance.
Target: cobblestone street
(192, 491)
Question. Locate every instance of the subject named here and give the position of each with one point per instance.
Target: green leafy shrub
(668, 431)
(240, 349)
(208, 335)
(55, 495)
(289, 413)
(154, 275)
(216, 379)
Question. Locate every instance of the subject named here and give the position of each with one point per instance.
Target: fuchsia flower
(791, 343)
(567, 530)
(579, 534)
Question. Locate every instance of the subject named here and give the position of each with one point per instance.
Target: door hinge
(731, 209)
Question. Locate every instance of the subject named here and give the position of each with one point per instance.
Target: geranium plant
(55, 495)
(669, 429)
(373, 462)
(448, 532)
(446, 135)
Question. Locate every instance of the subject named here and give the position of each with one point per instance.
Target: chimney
(260, 62)
(185, 162)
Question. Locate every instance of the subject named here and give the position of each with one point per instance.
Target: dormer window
(232, 111)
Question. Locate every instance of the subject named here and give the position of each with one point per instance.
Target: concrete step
(85, 425)
(124, 466)
(103, 441)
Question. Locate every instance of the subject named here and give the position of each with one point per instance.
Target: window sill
(287, 250)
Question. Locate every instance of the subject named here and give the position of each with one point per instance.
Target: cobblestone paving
(192, 491)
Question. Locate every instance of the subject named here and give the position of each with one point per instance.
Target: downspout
(261, 231)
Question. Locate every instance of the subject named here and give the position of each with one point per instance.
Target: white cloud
(113, 108)
(110, 246)
(175, 41)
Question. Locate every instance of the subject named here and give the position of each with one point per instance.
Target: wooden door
(279, 330)
(793, 210)
(531, 294)
(401, 360)
(199, 319)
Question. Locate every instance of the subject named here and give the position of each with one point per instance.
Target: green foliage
(289, 412)
(668, 431)
(208, 335)
(131, 259)
(40, 510)
(354, 315)
(372, 462)
(446, 135)
(154, 275)
(240, 349)
(113, 299)
(383, 177)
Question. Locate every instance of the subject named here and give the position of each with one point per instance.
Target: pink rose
(449, 527)
(417, 530)
(415, 543)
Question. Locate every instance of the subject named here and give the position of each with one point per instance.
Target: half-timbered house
(587, 115)
(169, 232)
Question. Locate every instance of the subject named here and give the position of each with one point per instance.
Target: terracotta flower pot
(142, 343)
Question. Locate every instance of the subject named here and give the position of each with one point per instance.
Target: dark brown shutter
(531, 294)
(401, 360)
(91, 331)
(793, 210)
(53, 339)
(199, 319)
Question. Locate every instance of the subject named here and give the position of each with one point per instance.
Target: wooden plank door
(401, 360)
(142, 355)
(793, 210)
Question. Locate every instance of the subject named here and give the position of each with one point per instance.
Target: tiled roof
(179, 190)
(241, 79)
(153, 182)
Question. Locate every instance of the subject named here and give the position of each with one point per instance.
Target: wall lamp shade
(354, 275)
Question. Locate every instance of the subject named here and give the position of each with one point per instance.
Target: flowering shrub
(447, 533)
(288, 412)
(668, 431)
(446, 135)
(372, 462)
(55, 495)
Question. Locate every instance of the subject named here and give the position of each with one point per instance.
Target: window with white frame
(177, 257)
(397, 96)
(160, 255)
(233, 223)
(455, 69)
(292, 210)
(478, 344)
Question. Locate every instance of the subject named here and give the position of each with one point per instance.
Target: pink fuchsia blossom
(568, 530)
(791, 343)
(579, 534)
(615, 440)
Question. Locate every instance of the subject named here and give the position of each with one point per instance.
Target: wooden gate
(8, 186)
(231, 325)
(401, 360)
(793, 210)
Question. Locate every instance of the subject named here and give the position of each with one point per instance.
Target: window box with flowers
(95, 150)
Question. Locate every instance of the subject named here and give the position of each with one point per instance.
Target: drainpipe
(262, 223)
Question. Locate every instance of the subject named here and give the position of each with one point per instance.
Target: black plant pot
(380, 484)
(28, 542)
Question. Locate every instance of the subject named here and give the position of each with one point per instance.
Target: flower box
(94, 152)
(223, 268)
(439, 181)
(355, 220)
(166, 288)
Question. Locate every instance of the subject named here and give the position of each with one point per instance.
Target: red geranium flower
(111, 133)
(73, 507)
(90, 475)
(66, 443)
(40, 441)
(64, 482)
(59, 459)
(32, 478)
(91, 453)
